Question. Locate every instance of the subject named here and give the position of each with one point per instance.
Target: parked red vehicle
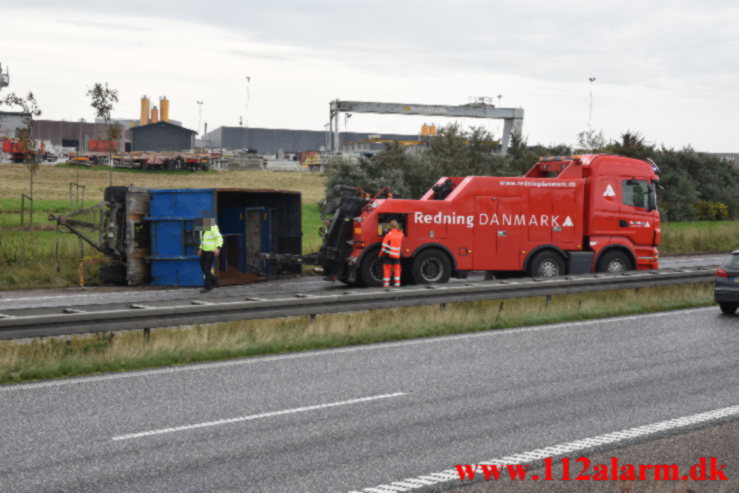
(19, 153)
(567, 215)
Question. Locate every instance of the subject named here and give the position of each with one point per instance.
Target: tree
(591, 141)
(29, 109)
(632, 144)
(103, 99)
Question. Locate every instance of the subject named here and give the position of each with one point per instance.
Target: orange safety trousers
(387, 269)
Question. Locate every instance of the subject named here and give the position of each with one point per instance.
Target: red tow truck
(567, 215)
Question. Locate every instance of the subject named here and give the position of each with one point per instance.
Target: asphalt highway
(355, 418)
(99, 295)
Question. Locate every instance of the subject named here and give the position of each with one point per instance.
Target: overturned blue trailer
(150, 235)
(252, 222)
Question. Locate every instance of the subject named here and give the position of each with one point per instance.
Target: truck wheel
(431, 266)
(546, 264)
(113, 274)
(115, 194)
(406, 272)
(613, 262)
(728, 308)
(370, 270)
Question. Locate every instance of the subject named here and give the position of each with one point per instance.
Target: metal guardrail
(20, 323)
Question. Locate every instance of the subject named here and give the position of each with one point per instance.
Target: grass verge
(43, 259)
(699, 237)
(109, 352)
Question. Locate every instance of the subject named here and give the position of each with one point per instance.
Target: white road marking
(331, 352)
(256, 416)
(564, 448)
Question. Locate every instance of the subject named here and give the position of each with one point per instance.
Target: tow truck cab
(568, 214)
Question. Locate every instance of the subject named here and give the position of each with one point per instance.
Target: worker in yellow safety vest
(211, 242)
(390, 252)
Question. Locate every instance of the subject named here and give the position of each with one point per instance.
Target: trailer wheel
(115, 194)
(370, 270)
(614, 261)
(113, 274)
(431, 266)
(547, 263)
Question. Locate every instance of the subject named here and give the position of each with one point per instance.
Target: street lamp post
(246, 112)
(200, 116)
(590, 107)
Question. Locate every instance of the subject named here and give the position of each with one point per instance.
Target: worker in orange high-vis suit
(390, 251)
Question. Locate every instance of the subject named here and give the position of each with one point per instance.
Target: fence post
(23, 210)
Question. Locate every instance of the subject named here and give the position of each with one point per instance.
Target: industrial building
(77, 135)
(162, 136)
(156, 133)
(267, 141)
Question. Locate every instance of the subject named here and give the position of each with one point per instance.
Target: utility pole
(200, 116)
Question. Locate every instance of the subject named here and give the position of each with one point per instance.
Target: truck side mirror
(651, 198)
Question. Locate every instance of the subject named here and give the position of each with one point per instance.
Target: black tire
(728, 308)
(614, 261)
(113, 274)
(115, 194)
(406, 272)
(370, 270)
(431, 266)
(546, 263)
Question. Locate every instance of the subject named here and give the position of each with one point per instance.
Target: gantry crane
(512, 117)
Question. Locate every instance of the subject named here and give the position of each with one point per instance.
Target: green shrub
(706, 210)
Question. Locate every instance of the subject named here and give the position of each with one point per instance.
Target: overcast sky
(668, 69)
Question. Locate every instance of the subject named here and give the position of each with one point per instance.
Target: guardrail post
(147, 335)
(548, 300)
(442, 306)
(313, 319)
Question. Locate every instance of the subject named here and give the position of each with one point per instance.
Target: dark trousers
(207, 259)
